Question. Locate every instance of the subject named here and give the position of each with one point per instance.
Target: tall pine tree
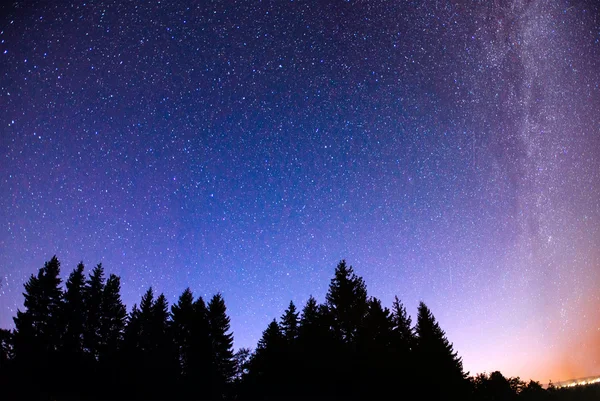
(290, 322)
(112, 328)
(437, 361)
(347, 305)
(221, 338)
(402, 348)
(93, 293)
(112, 318)
(373, 352)
(74, 314)
(316, 351)
(347, 302)
(200, 358)
(38, 329)
(266, 373)
(182, 328)
(72, 361)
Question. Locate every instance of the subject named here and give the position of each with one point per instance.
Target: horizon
(449, 152)
(172, 298)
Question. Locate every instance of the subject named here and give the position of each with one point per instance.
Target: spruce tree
(347, 302)
(266, 370)
(112, 328)
(437, 360)
(163, 355)
(72, 361)
(113, 318)
(290, 358)
(222, 346)
(200, 358)
(74, 314)
(93, 291)
(316, 351)
(38, 330)
(373, 352)
(182, 324)
(132, 365)
(402, 347)
(290, 322)
(404, 336)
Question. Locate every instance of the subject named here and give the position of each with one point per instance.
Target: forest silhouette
(77, 341)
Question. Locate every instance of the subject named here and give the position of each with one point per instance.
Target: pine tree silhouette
(112, 329)
(132, 365)
(347, 305)
(349, 348)
(182, 324)
(436, 359)
(163, 353)
(38, 330)
(290, 322)
(74, 313)
(93, 294)
(373, 352)
(112, 318)
(73, 319)
(222, 346)
(200, 357)
(347, 302)
(402, 349)
(266, 371)
(290, 358)
(317, 352)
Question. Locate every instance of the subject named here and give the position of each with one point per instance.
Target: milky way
(449, 151)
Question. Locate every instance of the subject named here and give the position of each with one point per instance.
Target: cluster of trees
(79, 342)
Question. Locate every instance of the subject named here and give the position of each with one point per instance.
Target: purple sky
(450, 152)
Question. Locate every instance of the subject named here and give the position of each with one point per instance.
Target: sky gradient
(449, 151)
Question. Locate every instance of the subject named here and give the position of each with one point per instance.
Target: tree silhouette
(351, 347)
(182, 327)
(290, 322)
(200, 358)
(347, 302)
(290, 358)
(93, 294)
(162, 355)
(131, 354)
(73, 313)
(265, 370)
(223, 368)
(316, 344)
(73, 321)
(402, 348)
(347, 305)
(38, 328)
(533, 391)
(112, 327)
(436, 359)
(373, 352)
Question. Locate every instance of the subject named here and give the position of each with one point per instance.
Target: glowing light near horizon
(579, 382)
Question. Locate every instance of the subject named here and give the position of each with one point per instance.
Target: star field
(449, 151)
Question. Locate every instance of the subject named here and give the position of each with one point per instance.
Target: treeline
(77, 341)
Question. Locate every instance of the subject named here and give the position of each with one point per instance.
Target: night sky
(449, 151)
